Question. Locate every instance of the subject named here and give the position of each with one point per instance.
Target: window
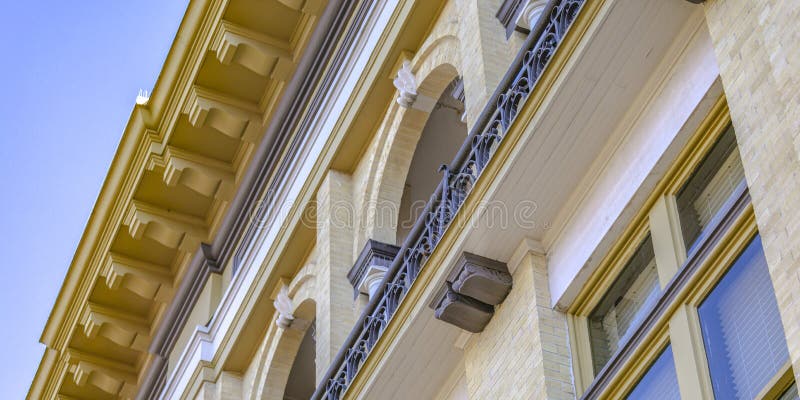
(790, 394)
(697, 286)
(660, 381)
(624, 305)
(709, 187)
(742, 330)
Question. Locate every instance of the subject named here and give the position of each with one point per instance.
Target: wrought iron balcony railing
(457, 181)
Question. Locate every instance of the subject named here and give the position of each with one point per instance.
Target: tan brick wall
(757, 44)
(523, 353)
(335, 316)
(482, 34)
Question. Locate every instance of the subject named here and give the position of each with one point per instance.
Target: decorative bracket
(406, 84)
(474, 286)
(283, 306)
(370, 267)
(262, 54)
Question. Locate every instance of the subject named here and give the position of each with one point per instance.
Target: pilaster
(756, 45)
(335, 316)
(523, 353)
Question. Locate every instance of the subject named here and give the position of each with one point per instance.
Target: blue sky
(70, 72)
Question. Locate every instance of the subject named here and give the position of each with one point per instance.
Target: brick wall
(756, 43)
(523, 353)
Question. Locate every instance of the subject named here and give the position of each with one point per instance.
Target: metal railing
(457, 181)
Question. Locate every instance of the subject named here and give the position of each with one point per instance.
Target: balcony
(458, 179)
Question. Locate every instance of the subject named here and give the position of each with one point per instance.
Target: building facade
(449, 199)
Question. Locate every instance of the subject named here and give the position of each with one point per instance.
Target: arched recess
(436, 66)
(285, 362)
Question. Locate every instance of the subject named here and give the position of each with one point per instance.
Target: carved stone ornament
(530, 14)
(462, 311)
(371, 266)
(474, 286)
(457, 182)
(483, 279)
(283, 305)
(406, 84)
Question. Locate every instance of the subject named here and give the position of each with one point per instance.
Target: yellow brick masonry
(482, 34)
(335, 316)
(227, 387)
(757, 45)
(523, 353)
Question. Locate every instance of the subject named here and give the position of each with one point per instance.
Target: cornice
(144, 148)
(238, 302)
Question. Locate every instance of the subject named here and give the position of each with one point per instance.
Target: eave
(180, 159)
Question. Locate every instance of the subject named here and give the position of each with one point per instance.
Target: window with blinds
(660, 381)
(622, 308)
(790, 394)
(709, 187)
(742, 330)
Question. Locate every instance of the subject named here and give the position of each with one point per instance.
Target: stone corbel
(206, 176)
(170, 228)
(115, 380)
(312, 7)
(474, 286)
(262, 54)
(464, 312)
(480, 278)
(147, 280)
(230, 116)
(125, 330)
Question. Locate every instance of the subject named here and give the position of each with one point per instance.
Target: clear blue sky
(70, 71)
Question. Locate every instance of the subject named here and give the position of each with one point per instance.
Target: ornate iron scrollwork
(457, 181)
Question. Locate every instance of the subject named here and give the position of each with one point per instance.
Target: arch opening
(441, 137)
(300, 384)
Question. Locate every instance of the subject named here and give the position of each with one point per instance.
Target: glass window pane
(742, 329)
(624, 305)
(660, 381)
(709, 187)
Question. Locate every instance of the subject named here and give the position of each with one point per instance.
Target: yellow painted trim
(691, 363)
(711, 269)
(614, 264)
(779, 383)
(496, 165)
(708, 274)
(268, 272)
(638, 365)
(581, 352)
(692, 154)
(144, 138)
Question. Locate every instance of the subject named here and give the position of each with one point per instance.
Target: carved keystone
(483, 279)
(462, 311)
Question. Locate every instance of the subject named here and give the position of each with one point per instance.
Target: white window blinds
(742, 329)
